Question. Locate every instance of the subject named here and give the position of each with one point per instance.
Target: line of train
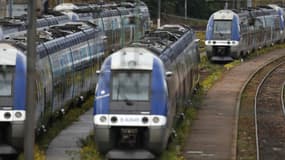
(68, 55)
(232, 34)
(141, 89)
(131, 18)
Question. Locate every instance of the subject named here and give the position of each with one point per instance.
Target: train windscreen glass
(222, 27)
(130, 85)
(6, 78)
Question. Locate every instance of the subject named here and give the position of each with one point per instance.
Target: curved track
(247, 131)
(283, 98)
(269, 114)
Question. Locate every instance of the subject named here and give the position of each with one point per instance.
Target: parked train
(127, 20)
(67, 58)
(141, 88)
(232, 34)
(121, 22)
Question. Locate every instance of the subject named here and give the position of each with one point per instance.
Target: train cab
(131, 105)
(12, 96)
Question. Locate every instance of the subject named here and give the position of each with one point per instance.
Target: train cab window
(6, 79)
(130, 85)
(222, 27)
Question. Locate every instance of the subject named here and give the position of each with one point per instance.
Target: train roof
(58, 37)
(162, 38)
(132, 58)
(16, 24)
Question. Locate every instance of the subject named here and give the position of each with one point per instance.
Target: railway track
(248, 142)
(270, 122)
(283, 98)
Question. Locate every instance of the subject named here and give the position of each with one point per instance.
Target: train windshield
(130, 85)
(6, 78)
(222, 27)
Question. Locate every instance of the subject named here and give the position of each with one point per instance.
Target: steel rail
(255, 106)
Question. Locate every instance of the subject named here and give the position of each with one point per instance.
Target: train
(122, 22)
(68, 56)
(140, 91)
(233, 34)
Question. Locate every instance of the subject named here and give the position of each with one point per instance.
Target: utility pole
(185, 9)
(31, 71)
(158, 14)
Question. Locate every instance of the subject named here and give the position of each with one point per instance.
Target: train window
(6, 76)
(222, 26)
(83, 52)
(130, 85)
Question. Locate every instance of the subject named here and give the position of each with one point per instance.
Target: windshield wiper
(221, 34)
(127, 101)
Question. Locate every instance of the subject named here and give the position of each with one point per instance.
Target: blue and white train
(232, 34)
(140, 90)
(68, 56)
(121, 22)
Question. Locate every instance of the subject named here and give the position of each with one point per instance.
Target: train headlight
(233, 42)
(155, 119)
(18, 114)
(7, 115)
(103, 119)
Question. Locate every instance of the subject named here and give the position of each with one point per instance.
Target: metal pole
(158, 14)
(30, 107)
(10, 8)
(185, 9)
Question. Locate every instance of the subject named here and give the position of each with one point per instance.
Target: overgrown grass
(201, 35)
(39, 154)
(174, 151)
(88, 150)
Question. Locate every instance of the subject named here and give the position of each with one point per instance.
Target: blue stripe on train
(20, 82)
(235, 29)
(158, 90)
(102, 105)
